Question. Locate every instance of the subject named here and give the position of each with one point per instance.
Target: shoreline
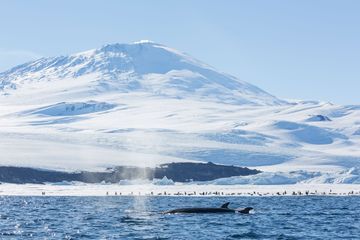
(8, 189)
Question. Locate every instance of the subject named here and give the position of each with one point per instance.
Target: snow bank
(67, 183)
(307, 133)
(267, 178)
(351, 176)
(163, 182)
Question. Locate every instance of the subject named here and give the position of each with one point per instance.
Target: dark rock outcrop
(184, 172)
(318, 118)
(178, 172)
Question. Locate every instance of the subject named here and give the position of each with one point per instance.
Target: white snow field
(145, 104)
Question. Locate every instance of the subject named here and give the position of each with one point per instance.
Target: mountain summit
(142, 66)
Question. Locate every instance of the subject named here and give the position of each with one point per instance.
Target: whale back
(225, 205)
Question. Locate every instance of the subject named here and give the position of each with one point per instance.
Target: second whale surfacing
(223, 209)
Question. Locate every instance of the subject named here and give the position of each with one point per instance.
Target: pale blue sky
(293, 49)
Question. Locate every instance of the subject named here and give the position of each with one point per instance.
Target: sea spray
(152, 141)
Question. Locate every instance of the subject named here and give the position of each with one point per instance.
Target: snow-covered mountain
(139, 67)
(145, 104)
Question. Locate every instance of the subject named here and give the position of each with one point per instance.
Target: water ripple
(311, 217)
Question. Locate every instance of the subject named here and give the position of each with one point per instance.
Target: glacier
(145, 104)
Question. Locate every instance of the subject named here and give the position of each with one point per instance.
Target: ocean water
(119, 217)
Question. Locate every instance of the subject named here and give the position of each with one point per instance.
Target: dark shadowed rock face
(179, 172)
(184, 172)
(318, 118)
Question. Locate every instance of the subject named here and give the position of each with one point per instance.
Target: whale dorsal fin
(225, 205)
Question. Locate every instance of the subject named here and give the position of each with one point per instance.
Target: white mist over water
(153, 142)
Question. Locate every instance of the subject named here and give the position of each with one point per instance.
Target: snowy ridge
(145, 104)
(144, 67)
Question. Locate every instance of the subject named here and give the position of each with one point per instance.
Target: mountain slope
(145, 104)
(142, 67)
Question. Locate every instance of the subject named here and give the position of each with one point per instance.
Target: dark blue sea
(308, 217)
